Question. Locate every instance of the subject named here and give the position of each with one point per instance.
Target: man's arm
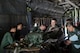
(9, 37)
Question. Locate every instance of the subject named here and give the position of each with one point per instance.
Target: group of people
(10, 37)
(43, 34)
(50, 34)
(72, 44)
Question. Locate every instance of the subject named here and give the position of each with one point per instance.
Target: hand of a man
(67, 42)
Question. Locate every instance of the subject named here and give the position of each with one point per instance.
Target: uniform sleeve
(9, 38)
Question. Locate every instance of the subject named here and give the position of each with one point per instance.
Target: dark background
(13, 7)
